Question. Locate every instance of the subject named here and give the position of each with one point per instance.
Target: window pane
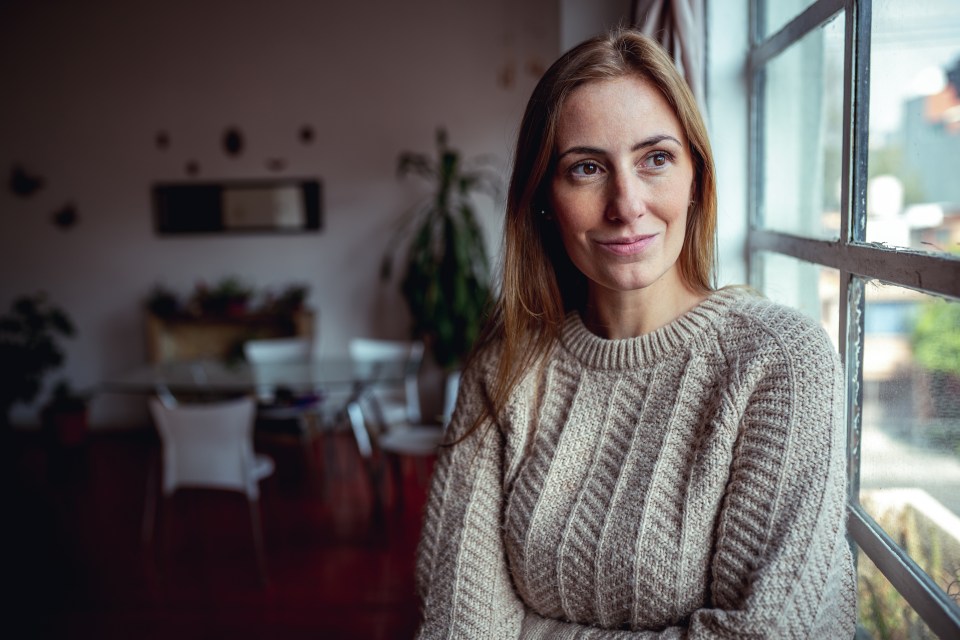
(813, 289)
(779, 12)
(803, 135)
(883, 612)
(913, 194)
(910, 443)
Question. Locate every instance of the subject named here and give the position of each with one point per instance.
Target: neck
(627, 314)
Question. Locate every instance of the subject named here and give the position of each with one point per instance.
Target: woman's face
(622, 185)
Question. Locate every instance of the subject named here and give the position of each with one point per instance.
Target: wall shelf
(185, 337)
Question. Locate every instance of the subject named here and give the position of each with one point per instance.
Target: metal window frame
(857, 261)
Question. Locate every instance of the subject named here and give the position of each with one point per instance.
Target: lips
(627, 246)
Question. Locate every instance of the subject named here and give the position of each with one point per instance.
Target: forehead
(628, 106)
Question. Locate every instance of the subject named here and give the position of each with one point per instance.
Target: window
(855, 219)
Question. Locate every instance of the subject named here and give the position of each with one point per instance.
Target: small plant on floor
(65, 414)
(30, 334)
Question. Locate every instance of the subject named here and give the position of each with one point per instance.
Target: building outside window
(855, 219)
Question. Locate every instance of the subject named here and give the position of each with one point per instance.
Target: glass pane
(803, 135)
(913, 193)
(813, 289)
(778, 13)
(910, 443)
(883, 612)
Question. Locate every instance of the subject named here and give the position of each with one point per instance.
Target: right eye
(585, 168)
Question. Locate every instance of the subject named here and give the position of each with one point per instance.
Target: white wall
(582, 19)
(86, 86)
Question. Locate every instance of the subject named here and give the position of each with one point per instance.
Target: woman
(635, 454)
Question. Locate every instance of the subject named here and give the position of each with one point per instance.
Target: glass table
(210, 379)
(216, 377)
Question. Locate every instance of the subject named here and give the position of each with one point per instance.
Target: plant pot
(67, 428)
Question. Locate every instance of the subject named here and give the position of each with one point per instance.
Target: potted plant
(290, 300)
(162, 302)
(29, 347)
(446, 275)
(228, 298)
(65, 415)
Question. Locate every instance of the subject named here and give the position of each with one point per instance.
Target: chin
(637, 281)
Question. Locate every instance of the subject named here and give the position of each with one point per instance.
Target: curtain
(680, 26)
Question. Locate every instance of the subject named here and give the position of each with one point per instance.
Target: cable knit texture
(688, 483)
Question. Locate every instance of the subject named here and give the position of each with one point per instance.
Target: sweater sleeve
(462, 575)
(781, 566)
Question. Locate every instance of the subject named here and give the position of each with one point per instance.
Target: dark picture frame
(290, 205)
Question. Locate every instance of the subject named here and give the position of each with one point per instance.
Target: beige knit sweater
(689, 483)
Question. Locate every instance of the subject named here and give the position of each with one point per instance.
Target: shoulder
(756, 329)
(481, 368)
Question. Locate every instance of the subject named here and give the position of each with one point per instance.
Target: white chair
(276, 350)
(397, 403)
(282, 414)
(210, 446)
(398, 440)
(419, 439)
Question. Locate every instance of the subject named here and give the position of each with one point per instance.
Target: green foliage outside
(936, 337)
(446, 277)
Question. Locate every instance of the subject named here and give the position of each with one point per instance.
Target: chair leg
(149, 521)
(359, 428)
(310, 458)
(396, 467)
(331, 459)
(165, 513)
(258, 539)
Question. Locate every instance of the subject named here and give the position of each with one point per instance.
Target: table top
(216, 376)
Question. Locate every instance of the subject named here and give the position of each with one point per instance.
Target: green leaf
(445, 280)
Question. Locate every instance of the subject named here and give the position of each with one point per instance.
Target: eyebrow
(647, 142)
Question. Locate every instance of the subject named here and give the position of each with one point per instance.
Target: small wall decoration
(162, 140)
(193, 168)
(24, 183)
(233, 141)
(276, 164)
(306, 134)
(66, 216)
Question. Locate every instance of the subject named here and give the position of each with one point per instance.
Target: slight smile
(627, 246)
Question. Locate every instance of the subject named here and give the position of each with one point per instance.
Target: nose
(626, 197)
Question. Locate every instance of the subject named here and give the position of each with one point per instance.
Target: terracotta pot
(69, 428)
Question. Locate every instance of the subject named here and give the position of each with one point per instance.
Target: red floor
(74, 565)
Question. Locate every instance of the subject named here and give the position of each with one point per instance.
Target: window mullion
(851, 348)
(856, 116)
(918, 270)
(930, 602)
(757, 79)
(764, 50)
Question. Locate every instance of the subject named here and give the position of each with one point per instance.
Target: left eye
(657, 159)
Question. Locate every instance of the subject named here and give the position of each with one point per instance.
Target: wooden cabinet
(189, 337)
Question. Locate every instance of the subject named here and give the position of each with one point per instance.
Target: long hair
(539, 282)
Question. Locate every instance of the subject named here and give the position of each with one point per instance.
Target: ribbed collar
(629, 353)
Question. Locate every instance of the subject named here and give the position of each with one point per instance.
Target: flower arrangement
(230, 297)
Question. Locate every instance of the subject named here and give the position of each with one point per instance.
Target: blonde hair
(539, 283)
